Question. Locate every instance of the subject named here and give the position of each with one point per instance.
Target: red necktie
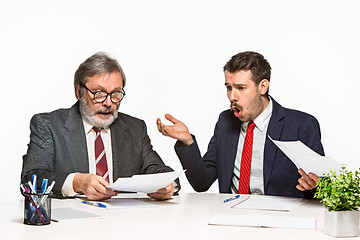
(246, 160)
(100, 156)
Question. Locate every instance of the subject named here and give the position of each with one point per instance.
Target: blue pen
(96, 204)
(230, 199)
(44, 185)
(34, 181)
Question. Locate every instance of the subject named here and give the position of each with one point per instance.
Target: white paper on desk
(146, 183)
(71, 214)
(271, 203)
(262, 221)
(305, 158)
(114, 202)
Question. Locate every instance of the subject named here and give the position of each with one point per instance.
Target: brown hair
(255, 62)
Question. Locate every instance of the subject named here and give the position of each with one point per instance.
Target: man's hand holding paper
(93, 186)
(307, 181)
(310, 164)
(163, 193)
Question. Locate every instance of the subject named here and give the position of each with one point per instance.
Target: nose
(107, 102)
(232, 96)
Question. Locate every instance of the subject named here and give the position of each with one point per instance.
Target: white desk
(184, 217)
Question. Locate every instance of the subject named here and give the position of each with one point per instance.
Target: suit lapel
(121, 157)
(275, 129)
(231, 147)
(75, 140)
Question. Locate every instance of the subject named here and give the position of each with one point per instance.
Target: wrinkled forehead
(107, 81)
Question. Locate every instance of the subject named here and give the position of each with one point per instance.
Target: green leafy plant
(340, 192)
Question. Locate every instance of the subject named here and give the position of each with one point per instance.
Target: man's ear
(78, 93)
(263, 86)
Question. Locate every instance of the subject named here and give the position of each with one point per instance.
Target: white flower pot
(341, 223)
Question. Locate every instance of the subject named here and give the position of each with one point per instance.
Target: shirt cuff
(67, 189)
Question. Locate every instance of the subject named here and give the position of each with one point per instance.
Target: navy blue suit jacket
(280, 173)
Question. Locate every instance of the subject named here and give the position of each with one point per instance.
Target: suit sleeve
(310, 135)
(39, 158)
(200, 171)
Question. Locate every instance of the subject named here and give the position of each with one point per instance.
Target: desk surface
(183, 217)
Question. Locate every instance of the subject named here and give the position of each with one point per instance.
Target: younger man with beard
(243, 158)
(64, 143)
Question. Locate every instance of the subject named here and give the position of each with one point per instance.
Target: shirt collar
(262, 120)
(88, 127)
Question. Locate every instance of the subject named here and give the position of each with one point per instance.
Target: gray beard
(90, 116)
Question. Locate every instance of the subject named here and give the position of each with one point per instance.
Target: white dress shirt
(257, 158)
(67, 189)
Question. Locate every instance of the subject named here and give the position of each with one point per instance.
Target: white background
(172, 53)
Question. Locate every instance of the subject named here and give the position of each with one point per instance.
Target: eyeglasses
(101, 96)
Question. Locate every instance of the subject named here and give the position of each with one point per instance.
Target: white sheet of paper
(271, 203)
(114, 202)
(306, 159)
(146, 183)
(262, 221)
(71, 214)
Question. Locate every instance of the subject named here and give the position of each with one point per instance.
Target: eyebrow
(235, 84)
(102, 89)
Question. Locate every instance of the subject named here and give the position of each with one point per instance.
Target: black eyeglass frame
(122, 91)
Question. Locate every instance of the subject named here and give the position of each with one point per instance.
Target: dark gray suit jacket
(58, 147)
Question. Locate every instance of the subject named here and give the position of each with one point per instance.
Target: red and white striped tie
(100, 156)
(245, 168)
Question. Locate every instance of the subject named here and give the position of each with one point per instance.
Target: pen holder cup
(37, 208)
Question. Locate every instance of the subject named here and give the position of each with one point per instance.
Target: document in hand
(306, 159)
(146, 183)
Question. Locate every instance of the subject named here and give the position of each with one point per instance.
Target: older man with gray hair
(88, 146)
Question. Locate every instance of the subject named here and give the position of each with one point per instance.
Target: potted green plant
(340, 194)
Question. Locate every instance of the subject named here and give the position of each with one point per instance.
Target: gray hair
(99, 63)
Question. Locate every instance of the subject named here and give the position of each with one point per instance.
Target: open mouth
(236, 110)
(104, 114)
